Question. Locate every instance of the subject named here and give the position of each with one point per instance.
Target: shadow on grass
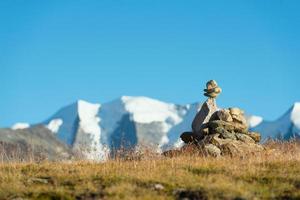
(205, 170)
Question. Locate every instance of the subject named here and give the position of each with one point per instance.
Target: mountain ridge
(285, 127)
(96, 129)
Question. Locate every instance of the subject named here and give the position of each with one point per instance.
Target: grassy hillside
(275, 174)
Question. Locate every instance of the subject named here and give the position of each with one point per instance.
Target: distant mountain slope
(148, 121)
(98, 129)
(124, 122)
(36, 140)
(286, 127)
(77, 125)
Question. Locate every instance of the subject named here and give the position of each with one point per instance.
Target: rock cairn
(220, 132)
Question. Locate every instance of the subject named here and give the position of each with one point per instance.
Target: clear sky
(55, 52)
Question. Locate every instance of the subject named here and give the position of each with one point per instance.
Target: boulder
(255, 136)
(244, 138)
(203, 116)
(240, 128)
(224, 115)
(236, 111)
(239, 119)
(218, 123)
(232, 147)
(230, 126)
(224, 133)
(218, 141)
(238, 116)
(239, 148)
(190, 137)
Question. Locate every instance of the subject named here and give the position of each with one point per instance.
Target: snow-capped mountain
(286, 127)
(97, 129)
(77, 125)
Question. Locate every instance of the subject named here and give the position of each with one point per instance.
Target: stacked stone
(221, 132)
(212, 89)
(208, 108)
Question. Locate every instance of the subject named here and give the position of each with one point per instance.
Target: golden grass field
(274, 174)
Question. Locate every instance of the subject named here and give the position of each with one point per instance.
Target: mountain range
(96, 130)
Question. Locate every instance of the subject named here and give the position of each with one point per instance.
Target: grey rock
(212, 90)
(190, 137)
(38, 180)
(207, 110)
(240, 128)
(218, 123)
(244, 138)
(239, 148)
(236, 111)
(238, 116)
(158, 186)
(211, 84)
(224, 115)
(218, 141)
(239, 119)
(230, 126)
(211, 95)
(224, 133)
(232, 147)
(205, 131)
(255, 136)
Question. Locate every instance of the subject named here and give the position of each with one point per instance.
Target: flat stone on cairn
(218, 132)
(212, 89)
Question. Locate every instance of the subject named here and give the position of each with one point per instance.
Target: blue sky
(55, 52)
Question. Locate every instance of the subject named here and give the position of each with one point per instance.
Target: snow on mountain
(286, 127)
(124, 122)
(253, 120)
(146, 110)
(97, 130)
(138, 120)
(54, 125)
(295, 115)
(67, 130)
(88, 135)
(77, 125)
(20, 125)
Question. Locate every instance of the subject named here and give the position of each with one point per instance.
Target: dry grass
(275, 174)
